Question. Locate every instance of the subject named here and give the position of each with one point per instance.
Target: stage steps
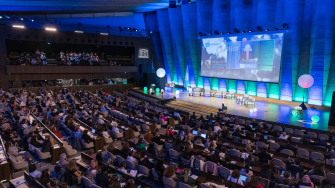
(192, 107)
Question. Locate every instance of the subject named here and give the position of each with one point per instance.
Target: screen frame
(284, 31)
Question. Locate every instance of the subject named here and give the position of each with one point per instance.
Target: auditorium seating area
(66, 58)
(78, 138)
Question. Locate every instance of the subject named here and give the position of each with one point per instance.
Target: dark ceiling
(79, 6)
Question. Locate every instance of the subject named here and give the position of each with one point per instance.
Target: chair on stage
(207, 92)
(218, 94)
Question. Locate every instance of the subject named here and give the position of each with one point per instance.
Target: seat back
(183, 185)
(185, 162)
(85, 182)
(169, 182)
(274, 146)
(303, 153)
(119, 159)
(155, 174)
(211, 167)
(277, 129)
(331, 178)
(131, 165)
(143, 170)
(288, 130)
(287, 152)
(279, 163)
(282, 186)
(317, 157)
(323, 137)
(224, 172)
(299, 132)
(312, 135)
(95, 186)
(173, 154)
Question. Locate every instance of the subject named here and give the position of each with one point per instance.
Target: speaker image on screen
(332, 112)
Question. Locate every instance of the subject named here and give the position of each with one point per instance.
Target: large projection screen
(253, 57)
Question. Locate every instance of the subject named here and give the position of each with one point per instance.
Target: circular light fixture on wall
(160, 73)
(306, 81)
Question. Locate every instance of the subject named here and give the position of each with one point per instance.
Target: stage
(264, 110)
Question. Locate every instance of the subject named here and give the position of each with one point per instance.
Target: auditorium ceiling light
(104, 34)
(51, 29)
(0, 17)
(32, 20)
(21, 19)
(18, 26)
(79, 31)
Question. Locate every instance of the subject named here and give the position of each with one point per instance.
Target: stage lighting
(21, 19)
(79, 31)
(50, 29)
(104, 34)
(315, 119)
(250, 31)
(18, 26)
(32, 20)
(0, 17)
(160, 73)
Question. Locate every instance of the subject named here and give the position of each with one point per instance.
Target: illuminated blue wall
(308, 44)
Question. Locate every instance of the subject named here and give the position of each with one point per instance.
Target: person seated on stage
(284, 136)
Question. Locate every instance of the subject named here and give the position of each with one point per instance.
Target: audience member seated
(153, 141)
(33, 172)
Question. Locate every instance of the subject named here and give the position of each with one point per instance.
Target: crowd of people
(37, 58)
(152, 145)
(74, 58)
(64, 58)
